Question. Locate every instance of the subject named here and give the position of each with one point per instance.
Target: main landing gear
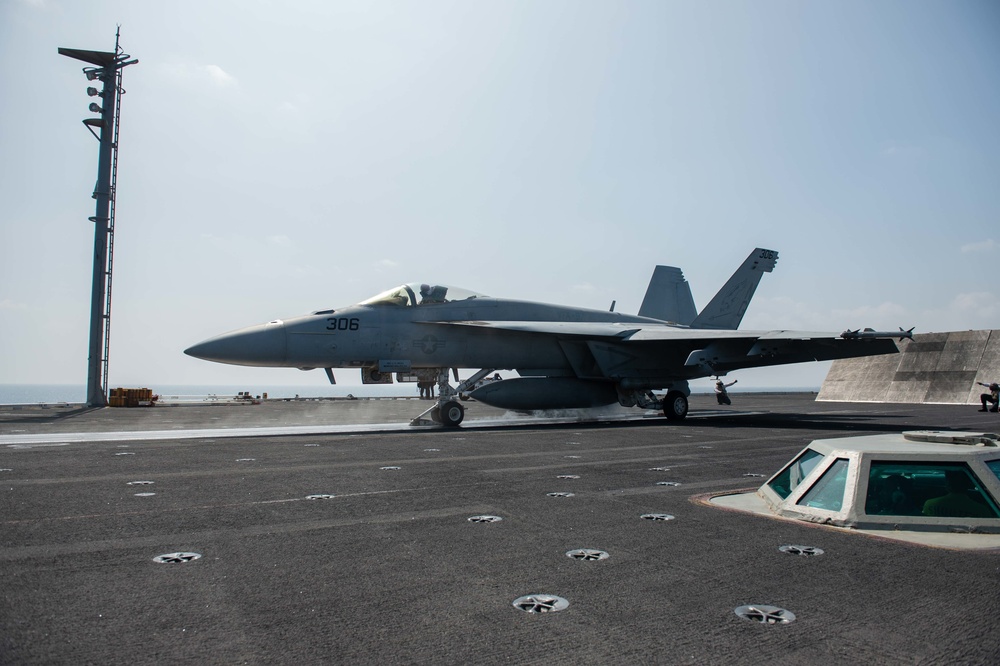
(449, 414)
(675, 406)
(674, 403)
(448, 411)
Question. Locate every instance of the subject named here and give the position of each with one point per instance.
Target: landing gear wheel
(452, 413)
(675, 406)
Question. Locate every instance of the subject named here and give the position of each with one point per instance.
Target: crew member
(720, 392)
(435, 294)
(957, 503)
(993, 396)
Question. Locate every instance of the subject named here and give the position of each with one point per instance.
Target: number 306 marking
(342, 324)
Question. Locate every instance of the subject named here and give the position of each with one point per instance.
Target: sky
(277, 158)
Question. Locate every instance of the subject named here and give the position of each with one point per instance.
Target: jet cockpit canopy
(416, 293)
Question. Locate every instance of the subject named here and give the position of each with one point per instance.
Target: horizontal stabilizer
(726, 310)
(668, 297)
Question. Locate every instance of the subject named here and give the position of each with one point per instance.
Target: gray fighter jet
(565, 357)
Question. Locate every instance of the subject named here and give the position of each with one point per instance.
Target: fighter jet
(566, 357)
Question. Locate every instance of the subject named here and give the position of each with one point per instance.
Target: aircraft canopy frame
(420, 293)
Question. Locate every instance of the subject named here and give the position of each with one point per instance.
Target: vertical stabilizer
(668, 297)
(726, 310)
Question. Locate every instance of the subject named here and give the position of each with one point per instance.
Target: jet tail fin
(726, 310)
(668, 297)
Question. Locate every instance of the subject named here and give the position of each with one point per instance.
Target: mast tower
(106, 70)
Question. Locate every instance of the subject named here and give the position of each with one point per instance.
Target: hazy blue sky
(281, 157)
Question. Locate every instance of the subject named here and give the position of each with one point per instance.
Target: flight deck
(332, 532)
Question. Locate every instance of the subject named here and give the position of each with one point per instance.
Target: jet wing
(640, 332)
(651, 333)
(622, 349)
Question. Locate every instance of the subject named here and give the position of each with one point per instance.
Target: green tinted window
(790, 477)
(828, 491)
(994, 466)
(930, 489)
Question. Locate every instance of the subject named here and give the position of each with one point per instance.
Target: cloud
(297, 102)
(8, 304)
(981, 306)
(386, 263)
(898, 151)
(879, 314)
(205, 75)
(786, 313)
(219, 76)
(987, 245)
(969, 311)
(977, 310)
(246, 254)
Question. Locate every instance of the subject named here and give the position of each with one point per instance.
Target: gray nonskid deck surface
(390, 570)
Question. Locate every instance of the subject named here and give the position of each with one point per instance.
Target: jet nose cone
(263, 345)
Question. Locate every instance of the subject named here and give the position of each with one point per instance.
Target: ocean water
(77, 393)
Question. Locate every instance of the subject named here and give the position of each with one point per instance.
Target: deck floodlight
(93, 92)
(95, 108)
(91, 74)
